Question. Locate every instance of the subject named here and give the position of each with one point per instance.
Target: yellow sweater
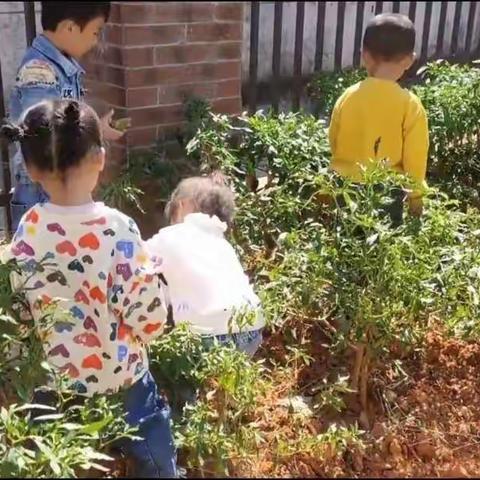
(377, 119)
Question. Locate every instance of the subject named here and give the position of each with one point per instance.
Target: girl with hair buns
(97, 270)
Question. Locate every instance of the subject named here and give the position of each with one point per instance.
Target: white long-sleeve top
(206, 283)
(91, 262)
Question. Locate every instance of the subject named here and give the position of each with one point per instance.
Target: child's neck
(68, 194)
(386, 72)
(53, 37)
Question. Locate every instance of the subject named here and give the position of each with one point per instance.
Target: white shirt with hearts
(92, 291)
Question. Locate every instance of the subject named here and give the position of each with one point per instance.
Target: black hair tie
(72, 114)
(11, 132)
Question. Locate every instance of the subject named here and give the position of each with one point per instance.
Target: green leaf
(95, 427)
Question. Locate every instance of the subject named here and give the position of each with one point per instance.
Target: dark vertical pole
(378, 7)
(358, 33)
(277, 48)
(5, 196)
(456, 28)
(412, 11)
(395, 7)
(297, 61)
(441, 28)
(30, 27)
(469, 37)
(320, 32)
(254, 25)
(426, 31)
(339, 35)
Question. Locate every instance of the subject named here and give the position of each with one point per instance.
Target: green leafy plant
(214, 425)
(123, 192)
(326, 87)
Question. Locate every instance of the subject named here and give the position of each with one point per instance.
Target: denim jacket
(44, 73)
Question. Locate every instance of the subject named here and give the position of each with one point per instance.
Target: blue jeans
(247, 342)
(25, 196)
(155, 455)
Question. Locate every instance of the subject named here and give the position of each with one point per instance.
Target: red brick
(229, 88)
(214, 32)
(113, 75)
(229, 11)
(142, 97)
(142, 136)
(87, 60)
(96, 71)
(228, 69)
(154, 35)
(114, 34)
(166, 12)
(115, 13)
(137, 57)
(214, 71)
(229, 51)
(110, 94)
(195, 53)
(104, 53)
(111, 55)
(229, 106)
(168, 132)
(116, 155)
(175, 94)
(113, 168)
(181, 54)
(156, 115)
(146, 77)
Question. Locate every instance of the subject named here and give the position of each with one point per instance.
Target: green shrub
(326, 87)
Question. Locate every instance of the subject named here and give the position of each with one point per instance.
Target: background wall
(310, 31)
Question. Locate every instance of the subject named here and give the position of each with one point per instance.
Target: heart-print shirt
(92, 291)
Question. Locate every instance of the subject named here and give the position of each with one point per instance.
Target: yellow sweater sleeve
(333, 128)
(416, 142)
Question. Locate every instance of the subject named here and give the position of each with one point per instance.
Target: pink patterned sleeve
(137, 292)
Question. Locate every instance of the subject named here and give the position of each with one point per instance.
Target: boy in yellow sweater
(376, 119)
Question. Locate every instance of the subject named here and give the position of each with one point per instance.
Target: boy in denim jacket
(50, 70)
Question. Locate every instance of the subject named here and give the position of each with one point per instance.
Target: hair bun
(72, 114)
(217, 177)
(11, 132)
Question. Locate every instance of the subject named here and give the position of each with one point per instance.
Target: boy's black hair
(389, 36)
(79, 12)
(55, 135)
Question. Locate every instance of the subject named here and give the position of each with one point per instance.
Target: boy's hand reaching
(110, 133)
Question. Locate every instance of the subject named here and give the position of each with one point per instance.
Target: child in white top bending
(207, 286)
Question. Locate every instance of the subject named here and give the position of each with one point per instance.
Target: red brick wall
(158, 54)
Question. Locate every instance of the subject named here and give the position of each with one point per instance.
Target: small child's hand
(415, 207)
(110, 133)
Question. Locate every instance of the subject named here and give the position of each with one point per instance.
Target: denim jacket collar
(69, 65)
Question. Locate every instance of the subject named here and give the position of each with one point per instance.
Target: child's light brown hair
(210, 195)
